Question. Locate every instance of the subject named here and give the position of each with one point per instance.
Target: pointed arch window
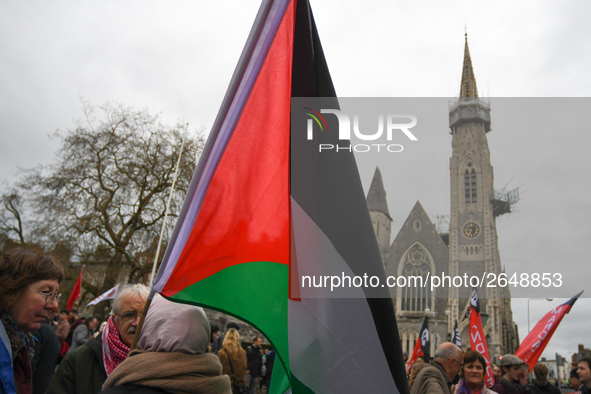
(415, 298)
(470, 185)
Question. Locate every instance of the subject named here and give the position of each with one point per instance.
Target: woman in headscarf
(171, 355)
(233, 359)
(29, 291)
(473, 375)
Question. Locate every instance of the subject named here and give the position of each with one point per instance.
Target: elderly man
(438, 377)
(84, 370)
(514, 380)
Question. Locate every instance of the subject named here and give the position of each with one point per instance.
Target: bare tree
(106, 192)
(11, 222)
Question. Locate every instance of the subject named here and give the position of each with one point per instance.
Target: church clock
(471, 230)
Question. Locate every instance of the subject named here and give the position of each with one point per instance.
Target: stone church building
(469, 247)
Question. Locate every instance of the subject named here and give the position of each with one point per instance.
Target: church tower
(473, 246)
(378, 211)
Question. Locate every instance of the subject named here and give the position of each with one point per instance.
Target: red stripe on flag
(422, 346)
(416, 353)
(245, 213)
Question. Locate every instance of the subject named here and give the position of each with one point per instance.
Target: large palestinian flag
(265, 207)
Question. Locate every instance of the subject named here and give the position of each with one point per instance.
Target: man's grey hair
(445, 351)
(124, 290)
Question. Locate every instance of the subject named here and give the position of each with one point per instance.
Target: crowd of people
(43, 351)
(250, 370)
(452, 371)
(179, 350)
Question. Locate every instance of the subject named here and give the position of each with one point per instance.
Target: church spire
(469, 107)
(376, 197)
(468, 86)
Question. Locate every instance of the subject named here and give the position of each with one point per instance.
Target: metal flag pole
(151, 296)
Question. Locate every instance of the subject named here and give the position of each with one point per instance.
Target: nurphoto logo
(389, 127)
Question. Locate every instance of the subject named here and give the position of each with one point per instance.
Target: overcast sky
(177, 57)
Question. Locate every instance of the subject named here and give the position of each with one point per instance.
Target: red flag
(75, 291)
(422, 346)
(477, 338)
(535, 342)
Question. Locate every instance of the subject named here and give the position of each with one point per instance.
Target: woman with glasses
(473, 375)
(29, 291)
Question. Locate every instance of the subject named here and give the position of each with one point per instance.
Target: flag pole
(140, 324)
(144, 312)
(176, 172)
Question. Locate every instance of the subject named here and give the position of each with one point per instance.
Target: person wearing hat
(514, 380)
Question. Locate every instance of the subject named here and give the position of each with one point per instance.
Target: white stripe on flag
(333, 343)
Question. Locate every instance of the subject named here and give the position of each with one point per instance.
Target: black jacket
(47, 352)
(82, 371)
(255, 360)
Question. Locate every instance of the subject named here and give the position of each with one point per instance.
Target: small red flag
(422, 346)
(535, 342)
(75, 291)
(477, 338)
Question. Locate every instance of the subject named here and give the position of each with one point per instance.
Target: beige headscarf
(174, 327)
(170, 353)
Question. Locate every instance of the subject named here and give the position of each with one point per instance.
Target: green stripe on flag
(255, 292)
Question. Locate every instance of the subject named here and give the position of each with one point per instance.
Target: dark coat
(255, 361)
(47, 352)
(503, 386)
(432, 379)
(548, 388)
(82, 371)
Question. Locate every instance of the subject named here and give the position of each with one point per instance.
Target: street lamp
(434, 314)
(447, 313)
(528, 300)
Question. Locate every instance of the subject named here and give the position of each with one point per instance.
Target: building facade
(470, 247)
